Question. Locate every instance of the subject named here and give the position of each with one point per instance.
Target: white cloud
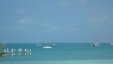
(50, 27)
(25, 21)
(101, 22)
(71, 29)
(81, 2)
(100, 16)
(20, 11)
(64, 2)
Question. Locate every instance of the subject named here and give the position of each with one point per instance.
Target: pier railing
(15, 52)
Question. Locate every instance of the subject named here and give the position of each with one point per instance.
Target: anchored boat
(47, 47)
(95, 44)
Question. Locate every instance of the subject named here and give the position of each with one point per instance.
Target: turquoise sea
(61, 53)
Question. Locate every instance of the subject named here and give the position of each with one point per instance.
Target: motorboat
(47, 47)
(53, 44)
(95, 44)
(111, 43)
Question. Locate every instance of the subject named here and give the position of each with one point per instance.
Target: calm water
(62, 52)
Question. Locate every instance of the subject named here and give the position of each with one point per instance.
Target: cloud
(100, 16)
(20, 11)
(50, 27)
(64, 2)
(100, 23)
(71, 29)
(25, 21)
(81, 2)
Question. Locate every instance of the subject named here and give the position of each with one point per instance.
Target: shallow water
(62, 53)
(110, 61)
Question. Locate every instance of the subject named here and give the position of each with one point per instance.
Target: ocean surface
(60, 53)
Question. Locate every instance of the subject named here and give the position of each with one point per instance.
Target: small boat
(111, 43)
(47, 47)
(53, 44)
(95, 44)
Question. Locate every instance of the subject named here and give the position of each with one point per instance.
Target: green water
(62, 53)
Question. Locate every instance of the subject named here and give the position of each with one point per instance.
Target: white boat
(111, 43)
(47, 47)
(53, 44)
(95, 44)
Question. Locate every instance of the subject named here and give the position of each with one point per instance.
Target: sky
(70, 21)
